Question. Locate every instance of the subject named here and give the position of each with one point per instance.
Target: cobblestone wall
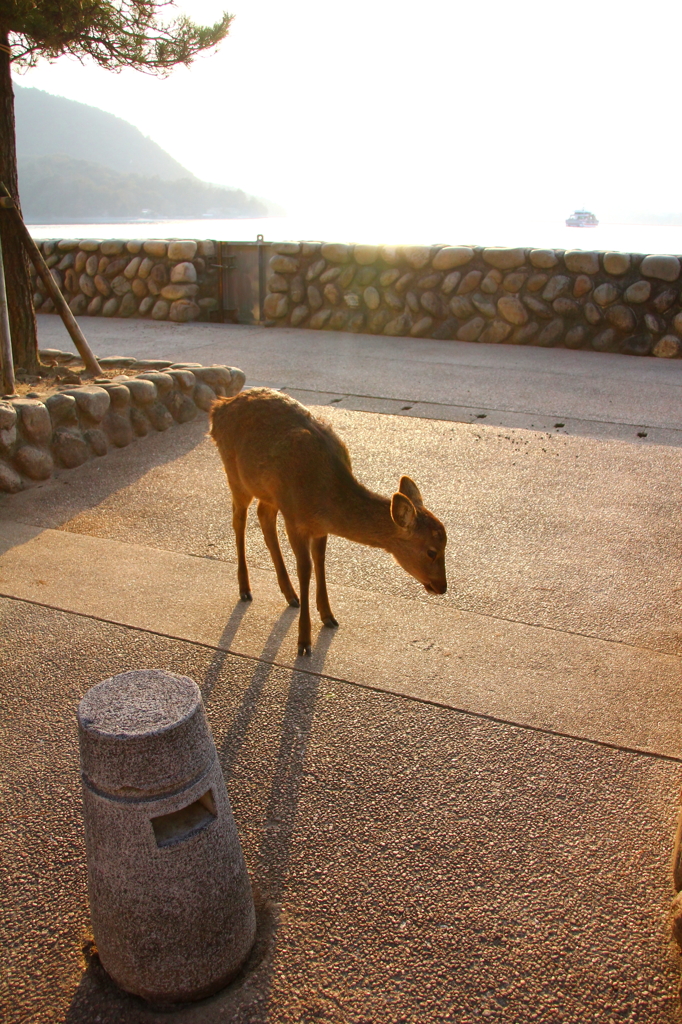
(611, 302)
(71, 425)
(160, 279)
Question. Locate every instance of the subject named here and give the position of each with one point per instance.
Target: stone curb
(83, 422)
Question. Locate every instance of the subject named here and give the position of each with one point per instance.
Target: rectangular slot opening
(178, 825)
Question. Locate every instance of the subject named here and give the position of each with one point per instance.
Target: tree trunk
(19, 298)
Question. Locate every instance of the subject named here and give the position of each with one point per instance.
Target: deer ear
(403, 512)
(409, 488)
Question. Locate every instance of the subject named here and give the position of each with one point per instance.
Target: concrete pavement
(460, 808)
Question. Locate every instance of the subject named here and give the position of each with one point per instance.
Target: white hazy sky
(380, 104)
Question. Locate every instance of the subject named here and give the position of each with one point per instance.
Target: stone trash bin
(170, 899)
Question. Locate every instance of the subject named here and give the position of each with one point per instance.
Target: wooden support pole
(91, 365)
(6, 360)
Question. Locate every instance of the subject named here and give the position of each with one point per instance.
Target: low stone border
(82, 422)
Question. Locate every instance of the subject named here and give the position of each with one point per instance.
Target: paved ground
(460, 808)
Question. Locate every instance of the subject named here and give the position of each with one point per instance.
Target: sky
(377, 105)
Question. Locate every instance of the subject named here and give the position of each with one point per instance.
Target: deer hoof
(330, 621)
(305, 649)
(246, 595)
(294, 603)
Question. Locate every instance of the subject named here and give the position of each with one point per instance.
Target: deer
(274, 449)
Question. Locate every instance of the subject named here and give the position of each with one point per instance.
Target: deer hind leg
(319, 547)
(267, 517)
(240, 507)
(300, 544)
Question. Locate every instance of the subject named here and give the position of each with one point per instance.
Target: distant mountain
(78, 163)
(58, 190)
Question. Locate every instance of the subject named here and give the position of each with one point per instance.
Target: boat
(582, 219)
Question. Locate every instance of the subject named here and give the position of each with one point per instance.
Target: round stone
(298, 315)
(337, 321)
(391, 254)
(145, 268)
(469, 282)
(147, 304)
(399, 327)
(315, 269)
(512, 310)
(616, 262)
(565, 307)
(181, 250)
(95, 306)
(551, 333)
(331, 294)
(172, 292)
(10, 481)
(677, 325)
(580, 262)
(284, 264)
(90, 244)
(555, 287)
(461, 307)
(418, 256)
(134, 245)
(35, 463)
(471, 330)
(575, 337)
(431, 304)
(605, 294)
(495, 333)
(139, 288)
(286, 248)
(388, 277)
(665, 268)
(366, 254)
(422, 327)
(514, 282)
(182, 273)
(605, 341)
(112, 247)
(352, 300)
(183, 310)
(102, 286)
(278, 283)
(319, 319)
(276, 306)
(491, 282)
(156, 247)
(110, 307)
(484, 305)
(378, 320)
(33, 419)
(128, 305)
(452, 256)
(621, 317)
(504, 259)
(523, 335)
(69, 449)
(91, 265)
(537, 281)
(665, 300)
(78, 305)
(656, 324)
(544, 259)
(87, 286)
(336, 252)
(371, 297)
(160, 310)
(297, 290)
(581, 286)
(450, 282)
(131, 270)
(403, 282)
(592, 313)
(345, 277)
(120, 285)
(314, 297)
(668, 347)
(638, 292)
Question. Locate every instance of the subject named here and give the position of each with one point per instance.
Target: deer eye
(431, 553)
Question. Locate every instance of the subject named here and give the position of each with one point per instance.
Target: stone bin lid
(143, 735)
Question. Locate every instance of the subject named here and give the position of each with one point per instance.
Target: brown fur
(275, 450)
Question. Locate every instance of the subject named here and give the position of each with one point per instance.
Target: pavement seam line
(542, 730)
(266, 568)
(488, 408)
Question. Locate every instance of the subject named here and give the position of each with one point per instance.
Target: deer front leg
(319, 547)
(300, 545)
(239, 512)
(267, 517)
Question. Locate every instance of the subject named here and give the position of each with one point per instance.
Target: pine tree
(115, 34)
